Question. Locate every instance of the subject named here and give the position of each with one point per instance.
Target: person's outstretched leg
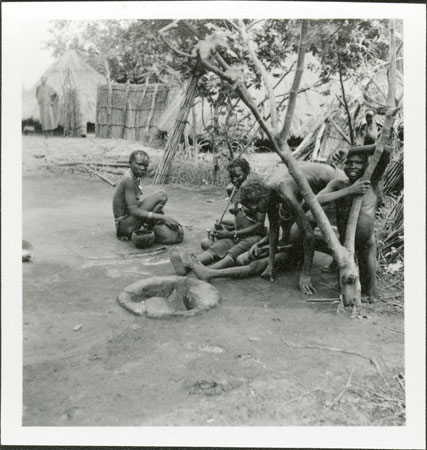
(207, 273)
(177, 262)
(181, 262)
(223, 263)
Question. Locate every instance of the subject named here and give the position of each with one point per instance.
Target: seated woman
(130, 208)
(230, 242)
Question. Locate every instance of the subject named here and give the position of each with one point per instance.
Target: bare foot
(201, 272)
(186, 259)
(177, 262)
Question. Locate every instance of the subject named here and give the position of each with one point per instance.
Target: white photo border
(412, 436)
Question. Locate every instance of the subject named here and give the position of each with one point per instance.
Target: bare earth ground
(234, 365)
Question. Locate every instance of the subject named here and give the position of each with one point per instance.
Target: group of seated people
(245, 247)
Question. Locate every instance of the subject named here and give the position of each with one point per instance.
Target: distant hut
(76, 83)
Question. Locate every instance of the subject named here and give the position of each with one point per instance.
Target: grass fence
(133, 113)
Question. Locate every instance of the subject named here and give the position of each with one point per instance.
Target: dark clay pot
(143, 238)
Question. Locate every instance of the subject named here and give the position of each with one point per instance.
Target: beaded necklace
(137, 181)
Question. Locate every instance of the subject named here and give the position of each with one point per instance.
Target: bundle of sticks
(173, 142)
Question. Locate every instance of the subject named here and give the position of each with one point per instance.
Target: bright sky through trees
(35, 60)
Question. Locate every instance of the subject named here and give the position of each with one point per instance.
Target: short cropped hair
(363, 155)
(240, 162)
(253, 189)
(137, 152)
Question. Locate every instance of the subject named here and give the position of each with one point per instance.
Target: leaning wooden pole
(349, 276)
(172, 144)
(385, 136)
(285, 154)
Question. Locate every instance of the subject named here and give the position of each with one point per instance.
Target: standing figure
(341, 192)
(130, 209)
(48, 103)
(369, 130)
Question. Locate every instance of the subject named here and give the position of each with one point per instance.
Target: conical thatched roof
(69, 71)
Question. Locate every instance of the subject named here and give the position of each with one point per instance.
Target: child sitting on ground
(249, 210)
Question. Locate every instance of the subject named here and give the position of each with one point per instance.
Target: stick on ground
(323, 300)
(371, 359)
(101, 176)
(338, 397)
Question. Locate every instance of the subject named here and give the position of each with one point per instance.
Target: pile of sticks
(173, 142)
(114, 168)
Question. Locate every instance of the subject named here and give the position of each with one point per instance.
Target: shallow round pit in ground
(166, 297)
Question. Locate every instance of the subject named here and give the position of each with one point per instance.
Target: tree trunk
(385, 135)
(295, 85)
(350, 126)
(349, 276)
(264, 75)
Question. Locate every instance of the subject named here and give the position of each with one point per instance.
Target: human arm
(229, 189)
(342, 153)
(228, 224)
(254, 251)
(132, 205)
(251, 230)
(337, 189)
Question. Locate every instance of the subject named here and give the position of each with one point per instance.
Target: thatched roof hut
(69, 74)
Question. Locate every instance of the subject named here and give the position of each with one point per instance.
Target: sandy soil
(234, 365)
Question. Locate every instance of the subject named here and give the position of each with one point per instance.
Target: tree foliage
(136, 51)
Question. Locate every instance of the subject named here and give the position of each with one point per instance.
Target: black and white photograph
(221, 226)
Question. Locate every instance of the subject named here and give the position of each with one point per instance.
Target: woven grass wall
(134, 113)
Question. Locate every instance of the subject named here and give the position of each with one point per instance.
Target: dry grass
(199, 171)
(390, 234)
